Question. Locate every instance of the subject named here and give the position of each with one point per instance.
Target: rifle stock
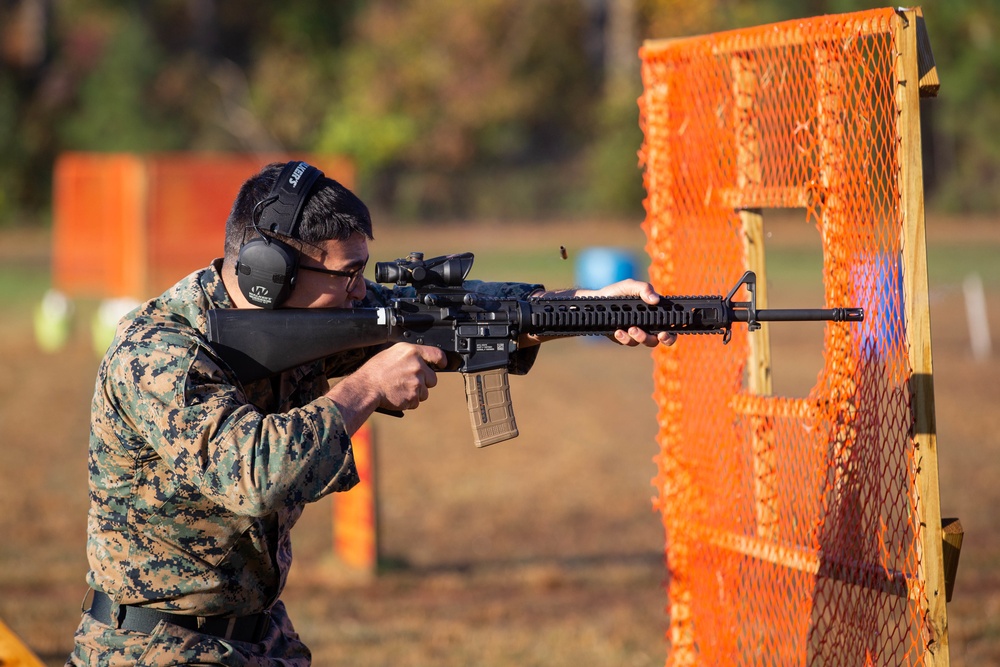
(257, 343)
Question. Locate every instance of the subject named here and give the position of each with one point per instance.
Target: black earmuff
(267, 266)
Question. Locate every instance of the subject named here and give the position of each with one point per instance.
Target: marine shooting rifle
(478, 333)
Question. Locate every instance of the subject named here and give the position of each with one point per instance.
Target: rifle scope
(444, 271)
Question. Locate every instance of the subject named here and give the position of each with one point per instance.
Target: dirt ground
(541, 551)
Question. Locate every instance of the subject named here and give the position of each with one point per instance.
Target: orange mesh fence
(799, 530)
(131, 225)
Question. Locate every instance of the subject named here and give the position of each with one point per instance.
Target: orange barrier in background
(127, 225)
(355, 512)
(799, 530)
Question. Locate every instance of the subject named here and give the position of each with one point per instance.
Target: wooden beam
(779, 35)
(918, 336)
(927, 68)
(815, 562)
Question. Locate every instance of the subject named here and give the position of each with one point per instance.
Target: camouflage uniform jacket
(196, 479)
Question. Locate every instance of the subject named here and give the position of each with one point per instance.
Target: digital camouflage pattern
(196, 479)
(99, 645)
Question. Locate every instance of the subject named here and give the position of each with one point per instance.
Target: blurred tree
(443, 86)
(10, 147)
(296, 67)
(615, 181)
(23, 51)
(680, 18)
(119, 108)
(450, 107)
(157, 75)
(963, 138)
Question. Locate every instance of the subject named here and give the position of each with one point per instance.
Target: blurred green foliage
(117, 108)
(450, 108)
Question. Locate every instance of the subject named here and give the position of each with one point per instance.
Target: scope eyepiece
(444, 271)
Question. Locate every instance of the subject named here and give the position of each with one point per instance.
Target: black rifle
(478, 333)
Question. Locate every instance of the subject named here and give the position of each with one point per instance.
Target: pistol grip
(490, 409)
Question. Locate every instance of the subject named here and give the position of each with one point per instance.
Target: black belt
(250, 628)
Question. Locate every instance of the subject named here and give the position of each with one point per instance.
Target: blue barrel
(598, 267)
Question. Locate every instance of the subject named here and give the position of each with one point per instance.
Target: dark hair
(332, 212)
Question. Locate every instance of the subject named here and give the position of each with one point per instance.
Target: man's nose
(358, 291)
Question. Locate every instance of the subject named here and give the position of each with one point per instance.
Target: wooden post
(918, 335)
(748, 175)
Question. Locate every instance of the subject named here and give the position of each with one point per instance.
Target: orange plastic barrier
(355, 512)
(129, 225)
(799, 530)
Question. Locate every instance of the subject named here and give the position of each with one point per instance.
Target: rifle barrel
(806, 315)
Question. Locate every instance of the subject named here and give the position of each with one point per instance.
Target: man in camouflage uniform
(196, 479)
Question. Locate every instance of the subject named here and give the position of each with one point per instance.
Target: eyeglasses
(352, 276)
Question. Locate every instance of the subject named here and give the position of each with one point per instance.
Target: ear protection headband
(267, 267)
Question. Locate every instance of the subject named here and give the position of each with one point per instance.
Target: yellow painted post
(13, 652)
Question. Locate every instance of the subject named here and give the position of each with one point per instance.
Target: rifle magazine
(490, 408)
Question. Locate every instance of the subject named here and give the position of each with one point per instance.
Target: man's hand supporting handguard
(631, 338)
